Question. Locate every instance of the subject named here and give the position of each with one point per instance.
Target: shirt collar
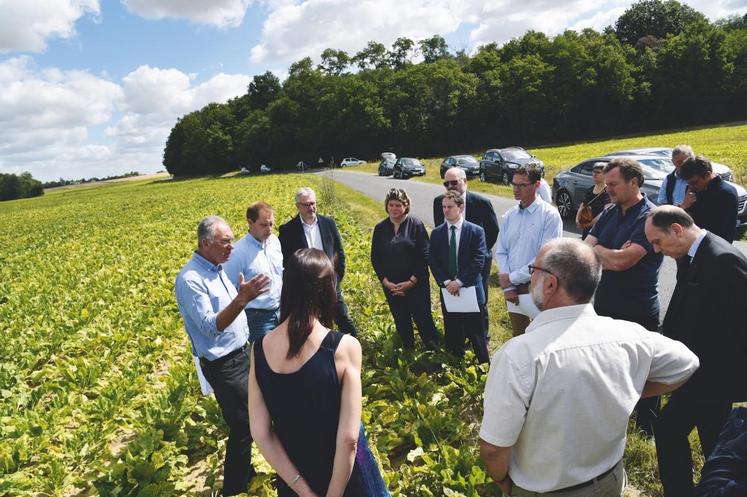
(531, 207)
(307, 225)
(205, 264)
(458, 225)
(561, 313)
(696, 244)
(255, 242)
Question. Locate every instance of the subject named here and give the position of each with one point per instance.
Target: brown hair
(695, 166)
(455, 197)
(399, 195)
(629, 169)
(252, 212)
(532, 172)
(309, 291)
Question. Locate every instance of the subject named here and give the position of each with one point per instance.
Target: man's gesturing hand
(249, 290)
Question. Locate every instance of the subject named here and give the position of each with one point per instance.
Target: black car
(467, 162)
(386, 167)
(499, 164)
(406, 167)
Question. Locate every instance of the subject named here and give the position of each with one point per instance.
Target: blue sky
(93, 87)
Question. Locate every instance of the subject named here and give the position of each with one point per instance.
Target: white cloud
(27, 25)
(220, 13)
(73, 124)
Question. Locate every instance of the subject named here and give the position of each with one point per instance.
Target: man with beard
(573, 376)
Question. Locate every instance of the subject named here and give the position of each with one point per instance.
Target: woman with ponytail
(305, 392)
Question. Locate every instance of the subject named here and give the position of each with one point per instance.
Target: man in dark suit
(456, 258)
(706, 314)
(310, 230)
(477, 210)
(710, 201)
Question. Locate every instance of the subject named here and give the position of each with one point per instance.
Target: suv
(408, 166)
(386, 166)
(499, 164)
(721, 169)
(468, 163)
(351, 161)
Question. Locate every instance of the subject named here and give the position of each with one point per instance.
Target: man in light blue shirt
(259, 253)
(526, 227)
(212, 311)
(677, 194)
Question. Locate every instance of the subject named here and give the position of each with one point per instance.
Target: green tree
(401, 52)
(334, 62)
(655, 17)
(263, 89)
(433, 49)
(373, 56)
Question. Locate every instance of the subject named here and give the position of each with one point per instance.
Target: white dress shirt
(312, 233)
(523, 233)
(561, 394)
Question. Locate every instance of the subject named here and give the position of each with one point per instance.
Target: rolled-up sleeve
(506, 402)
(672, 362)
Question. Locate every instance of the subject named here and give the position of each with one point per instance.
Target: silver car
(569, 187)
(720, 169)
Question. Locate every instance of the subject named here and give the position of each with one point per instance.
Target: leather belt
(217, 362)
(587, 483)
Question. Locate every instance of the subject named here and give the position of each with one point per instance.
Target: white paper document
(205, 387)
(525, 306)
(466, 301)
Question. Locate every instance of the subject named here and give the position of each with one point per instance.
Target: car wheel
(504, 178)
(396, 174)
(482, 176)
(565, 203)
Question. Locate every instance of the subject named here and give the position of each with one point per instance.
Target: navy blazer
(706, 313)
(479, 211)
(471, 255)
(292, 238)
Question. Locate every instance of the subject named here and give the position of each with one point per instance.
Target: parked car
(406, 167)
(351, 161)
(264, 168)
(721, 169)
(386, 167)
(467, 162)
(389, 155)
(499, 164)
(301, 166)
(568, 187)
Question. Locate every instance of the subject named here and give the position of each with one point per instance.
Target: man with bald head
(572, 378)
(706, 314)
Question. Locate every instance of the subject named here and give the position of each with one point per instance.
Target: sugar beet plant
(99, 395)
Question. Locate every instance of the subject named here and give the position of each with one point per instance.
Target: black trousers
(646, 410)
(676, 421)
(462, 326)
(415, 305)
(230, 382)
(342, 319)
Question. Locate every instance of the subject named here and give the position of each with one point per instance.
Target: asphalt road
(422, 195)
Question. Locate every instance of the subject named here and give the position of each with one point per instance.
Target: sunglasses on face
(452, 182)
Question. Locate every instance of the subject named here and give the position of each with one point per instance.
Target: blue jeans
(261, 322)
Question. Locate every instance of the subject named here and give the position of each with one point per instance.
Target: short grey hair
(460, 172)
(576, 266)
(206, 228)
(685, 150)
(304, 191)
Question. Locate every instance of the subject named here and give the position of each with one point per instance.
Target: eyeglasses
(452, 182)
(307, 204)
(533, 268)
(521, 185)
(225, 242)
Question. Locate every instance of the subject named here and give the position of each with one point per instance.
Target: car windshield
(410, 162)
(466, 160)
(515, 154)
(656, 168)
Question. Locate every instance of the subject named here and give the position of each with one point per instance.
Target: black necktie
(453, 253)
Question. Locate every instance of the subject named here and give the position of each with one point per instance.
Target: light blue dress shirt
(251, 258)
(678, 195)
(523, 233)
(202, 291)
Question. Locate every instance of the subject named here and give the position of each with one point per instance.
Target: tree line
(13, 186)
(663, 65)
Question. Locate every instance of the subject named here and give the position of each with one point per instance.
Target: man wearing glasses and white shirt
(526, 228)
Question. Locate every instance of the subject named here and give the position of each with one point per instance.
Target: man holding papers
(526, 227)
(456, 258)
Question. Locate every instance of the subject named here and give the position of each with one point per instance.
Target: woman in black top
(399, 254)
(596, 198)
(305, 392)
